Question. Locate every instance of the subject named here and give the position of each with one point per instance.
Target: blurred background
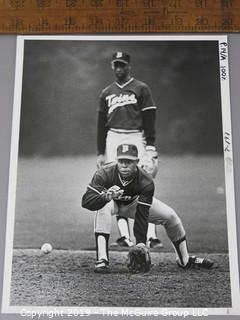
(62, 81)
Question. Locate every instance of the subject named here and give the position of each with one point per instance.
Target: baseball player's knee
(175, 232)
(103, 219)
(161, 213)
(174, 226)
(102, 226)
(172, 218)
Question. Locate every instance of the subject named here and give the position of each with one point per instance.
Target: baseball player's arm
(149, 117)
(95, 196)
(142, 214)
(140, 226)
(101, 133)
(148, 108)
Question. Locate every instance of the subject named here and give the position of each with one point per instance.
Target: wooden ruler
(118, 16)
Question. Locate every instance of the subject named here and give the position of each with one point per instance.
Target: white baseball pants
(159, 213)
(114, 139)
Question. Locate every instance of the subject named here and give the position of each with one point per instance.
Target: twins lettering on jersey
(126, 198)
(121, 198)
(115, 101)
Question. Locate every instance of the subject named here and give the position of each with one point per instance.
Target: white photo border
(229, 182)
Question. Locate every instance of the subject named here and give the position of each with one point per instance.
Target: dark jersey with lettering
(123, 104)
(139, 188)
(129, 106)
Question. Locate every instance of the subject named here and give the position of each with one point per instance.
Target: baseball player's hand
(113, 193)
(149, 161)
(100, 161)
(139, 259)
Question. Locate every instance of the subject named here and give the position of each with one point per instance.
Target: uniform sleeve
(148, 108)
(94, 198)
(149, 117)
(147, 101)
(102, 107)
(102, 130)
(101, 125)
(142, 214)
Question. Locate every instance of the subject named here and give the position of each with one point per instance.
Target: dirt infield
(66, 278)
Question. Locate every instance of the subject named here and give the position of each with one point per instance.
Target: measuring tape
(118, 16)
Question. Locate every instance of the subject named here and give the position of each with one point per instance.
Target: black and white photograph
(121, 184)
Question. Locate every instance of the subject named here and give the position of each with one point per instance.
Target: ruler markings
(44, 16)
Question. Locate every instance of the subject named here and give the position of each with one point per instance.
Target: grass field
(48, 206)
(48, 209)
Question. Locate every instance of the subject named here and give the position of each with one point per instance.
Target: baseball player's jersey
(123, 104)
(140, 188)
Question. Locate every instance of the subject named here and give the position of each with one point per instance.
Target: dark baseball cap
(121, 56)
(127, 151)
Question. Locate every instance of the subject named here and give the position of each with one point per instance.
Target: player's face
(121, 70)
(127, 167)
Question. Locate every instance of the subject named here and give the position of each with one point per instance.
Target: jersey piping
(125, 84)
(90, 187)
(124, 130)
(125, 183)
(147, 108)
(144, 203)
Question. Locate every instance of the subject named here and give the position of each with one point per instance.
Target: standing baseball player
(126, 189)
(126, 114)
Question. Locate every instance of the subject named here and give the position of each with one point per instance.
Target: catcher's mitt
(149, 161)
(139, 259)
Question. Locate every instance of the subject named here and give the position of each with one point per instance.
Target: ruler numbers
(47, 16)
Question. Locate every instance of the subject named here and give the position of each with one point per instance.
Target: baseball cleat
(101, 266)
(198, 262)
(155, 243)
(124, 242)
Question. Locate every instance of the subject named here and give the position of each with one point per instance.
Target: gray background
(7, 69)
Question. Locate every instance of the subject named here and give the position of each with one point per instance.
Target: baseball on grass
(220, 190)
(46, 248)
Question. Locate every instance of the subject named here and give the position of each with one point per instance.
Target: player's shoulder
(144, 178)
(107, 168)
(140, 83)
(107, 89)
(105, 173)
(110, 165)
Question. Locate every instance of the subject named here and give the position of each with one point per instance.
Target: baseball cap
(127, 151)
(121, 56)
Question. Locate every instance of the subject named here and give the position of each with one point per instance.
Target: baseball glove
(139, 259)
(149, 161)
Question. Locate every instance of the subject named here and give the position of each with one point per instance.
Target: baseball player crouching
(126, 114)
(126, 189)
